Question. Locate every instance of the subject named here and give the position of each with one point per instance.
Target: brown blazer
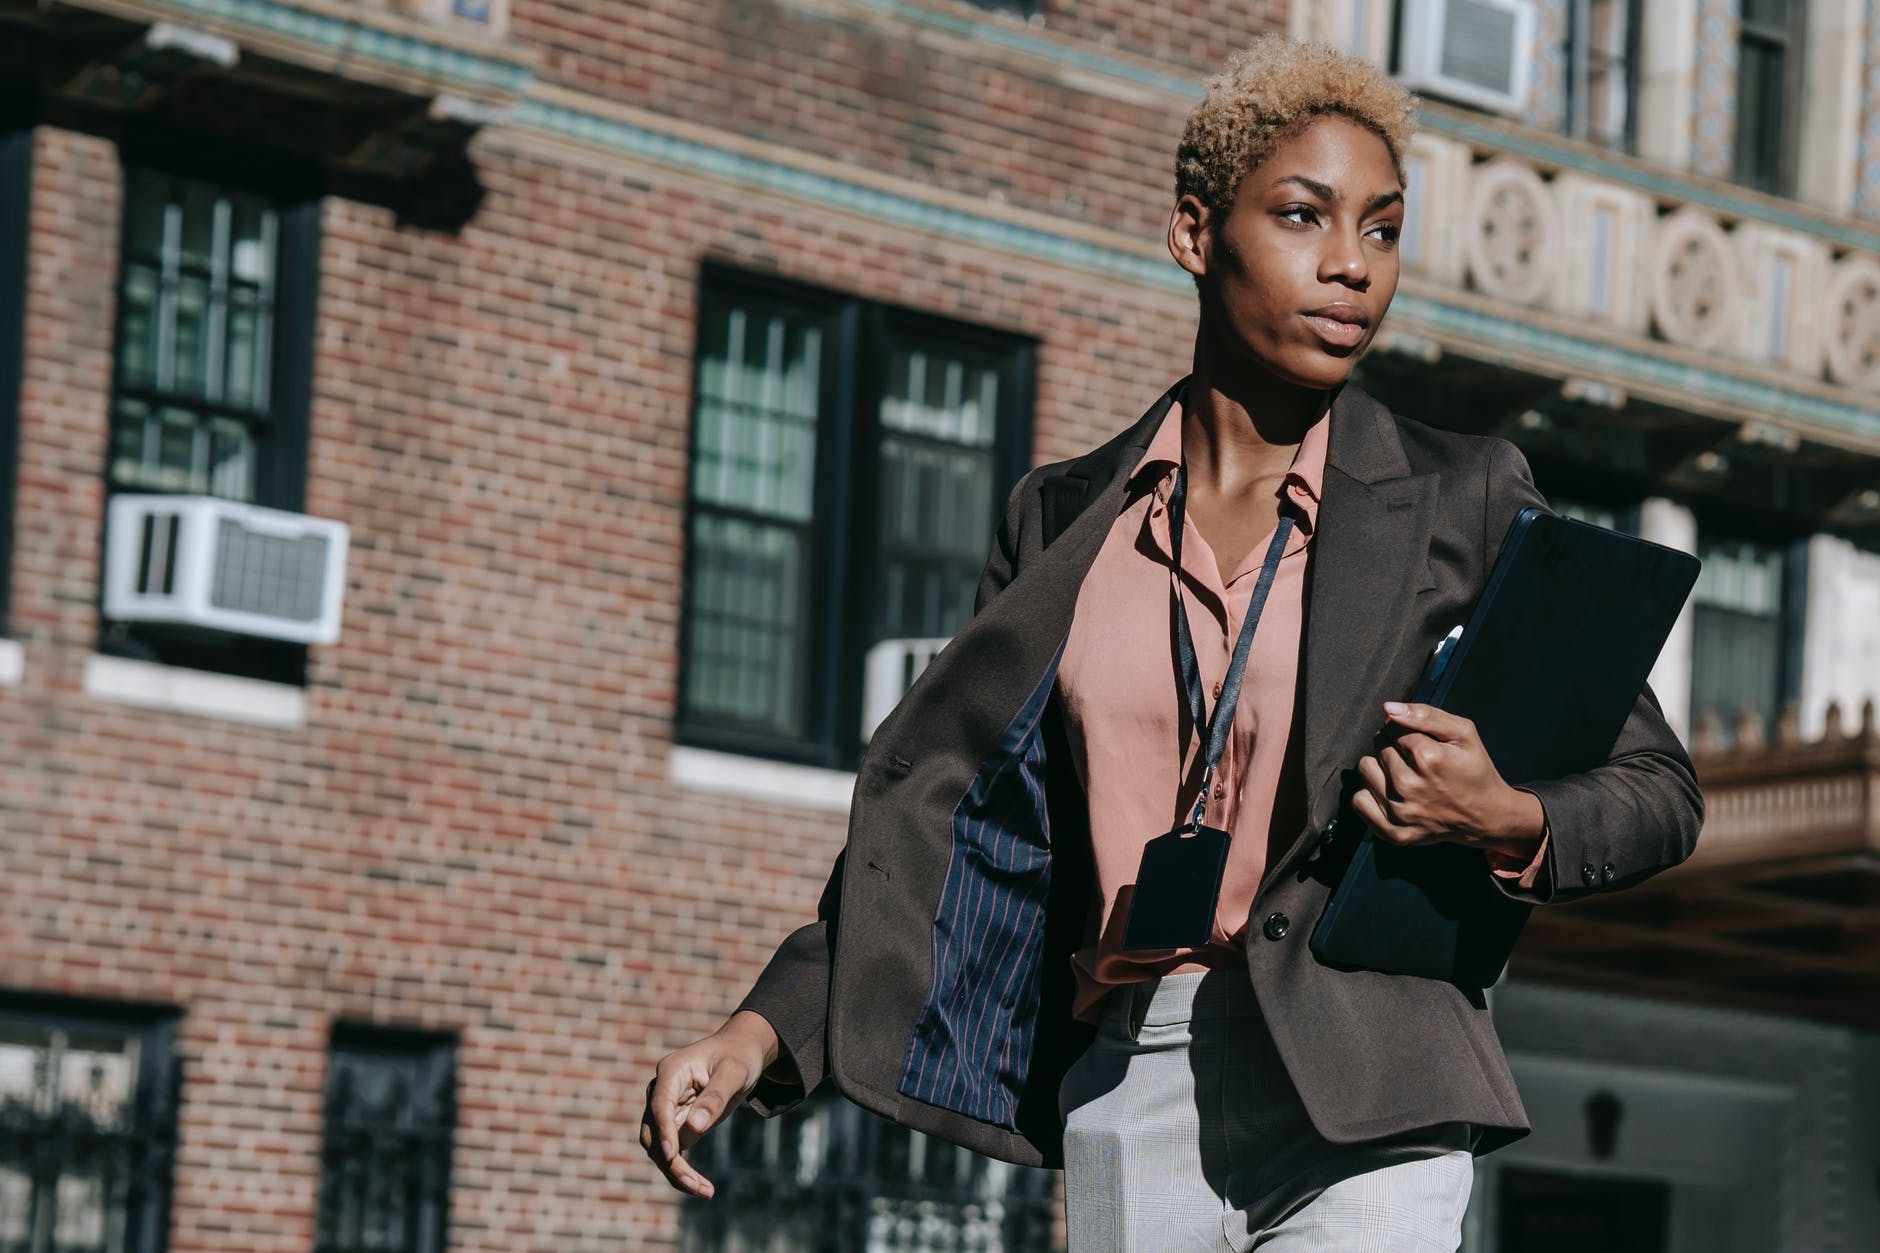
(934, 987)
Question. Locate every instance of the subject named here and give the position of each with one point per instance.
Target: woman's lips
(1336, 333)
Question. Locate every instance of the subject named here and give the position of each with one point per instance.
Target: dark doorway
(1547, 1212)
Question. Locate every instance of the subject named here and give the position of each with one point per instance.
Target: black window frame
(16, 181)
(1772, 166)
(1579, 74)
(842, 605)
(428, 1142)
(297, 194)
(147, 1142)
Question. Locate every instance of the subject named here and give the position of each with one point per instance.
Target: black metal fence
(829, 1178)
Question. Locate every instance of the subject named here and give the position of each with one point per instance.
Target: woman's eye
(1387, 232)
(1300, 213)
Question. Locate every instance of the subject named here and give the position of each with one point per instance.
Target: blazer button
(1276, 926)
(1607, 874)
(1589, 875)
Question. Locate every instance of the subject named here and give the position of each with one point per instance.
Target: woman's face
(1296, 277)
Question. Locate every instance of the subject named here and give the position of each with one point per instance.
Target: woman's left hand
(1434, 781)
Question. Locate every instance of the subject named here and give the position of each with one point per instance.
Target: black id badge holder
(1178, 885)
(1177, 889)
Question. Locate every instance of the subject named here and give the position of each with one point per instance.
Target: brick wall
(475, 829)
(943, 104)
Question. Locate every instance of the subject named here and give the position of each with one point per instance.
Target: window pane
(745, 650)
(252, 245)
(939, 415)
(188, 364)
(231, 460)
(1759, 105)
(1737, 645)
(138, 350)
(246, 382)
(930, 394)
(758, 406)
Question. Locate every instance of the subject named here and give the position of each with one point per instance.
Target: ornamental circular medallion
(1694, 282)
(1854, 322)
(1513, 229)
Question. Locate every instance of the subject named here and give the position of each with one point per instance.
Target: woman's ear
(1190, 228)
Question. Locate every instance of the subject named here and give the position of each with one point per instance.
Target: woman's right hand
(695, 1086)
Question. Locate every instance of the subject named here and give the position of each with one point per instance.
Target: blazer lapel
(1063, 497)
(1375, 519)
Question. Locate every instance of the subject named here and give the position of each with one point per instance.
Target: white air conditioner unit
(205, 562)
(889, 669)
(1479, 52)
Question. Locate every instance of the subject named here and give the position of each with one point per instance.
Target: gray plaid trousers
(1183, 1134)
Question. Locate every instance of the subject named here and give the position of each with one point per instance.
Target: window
(1602, 71)
(87, 1127)
(16, 168)
(385, 1157)
(1768, 92)
(1743, 657)
(849, 462)
(828, 1177)
(214, 358)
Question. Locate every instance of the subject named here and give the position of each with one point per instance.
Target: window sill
(757, 778)
(149, 685)
(12, 663)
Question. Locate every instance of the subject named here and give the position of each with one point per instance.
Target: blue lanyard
(1215, 742)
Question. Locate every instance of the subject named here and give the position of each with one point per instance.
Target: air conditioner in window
(1479, 52)
(888, 670)
(205, 562)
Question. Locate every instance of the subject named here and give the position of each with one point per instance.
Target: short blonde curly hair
(1268, 92)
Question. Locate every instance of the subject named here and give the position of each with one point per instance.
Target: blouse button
(1217, 691)
(1220, 790)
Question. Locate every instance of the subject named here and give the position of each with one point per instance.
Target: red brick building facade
(465, 822)
(490, 833)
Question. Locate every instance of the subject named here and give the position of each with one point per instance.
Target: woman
(1235, 1091)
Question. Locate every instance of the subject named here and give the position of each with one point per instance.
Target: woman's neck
(1242, 426)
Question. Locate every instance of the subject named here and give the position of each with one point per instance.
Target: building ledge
(147, 685)
(760, 779)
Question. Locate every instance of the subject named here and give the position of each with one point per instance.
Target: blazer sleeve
(1634, 816)
(792, 993)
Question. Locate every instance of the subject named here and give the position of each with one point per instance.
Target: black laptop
(1548, 667)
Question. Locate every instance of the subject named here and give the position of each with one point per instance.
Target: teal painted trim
(1046, 246)
(870, 202)
(1609, 361)
(435, 60)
